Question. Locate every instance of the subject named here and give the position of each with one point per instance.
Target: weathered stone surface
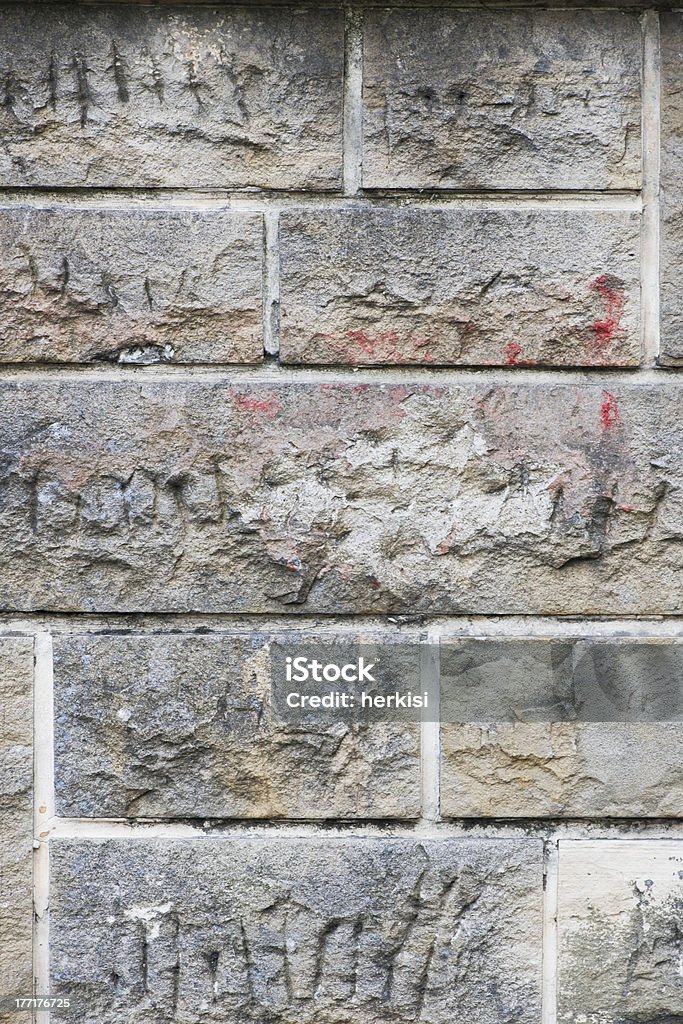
(131, 286)
(193, 96)
(504, 287)
(182, 726)
(671, 190)
(501, 100)
(620, 924)
(340, 497)
(553, 768)
(329, 930)
(16, 816)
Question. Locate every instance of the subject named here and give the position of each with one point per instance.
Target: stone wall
(339, 321)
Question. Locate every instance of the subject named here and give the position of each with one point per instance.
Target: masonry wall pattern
(340, 322)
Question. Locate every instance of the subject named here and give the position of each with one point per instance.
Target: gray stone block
(458, 286)
(182, 726)
(189, 96)
(16, 814)
(506, 99)
(133, 286)
(341, 497)
(331, 930)
(671, 190)
(620, 921)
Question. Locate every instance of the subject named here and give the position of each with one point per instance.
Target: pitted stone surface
(508, 99)
(16, 815)
(620, 924)
(458, 286)
(671, 191)
(188, 96)
(132, 286)
(139, 720)
(340, 497)
(332, 930)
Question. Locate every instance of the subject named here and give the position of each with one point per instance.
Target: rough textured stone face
(460, 286)
(341, 497)
(168, 726)
(130, 286)
(298, 930)
(16, 814)
(503, 100)
(177, 96)
(620, 924)
(671, 255)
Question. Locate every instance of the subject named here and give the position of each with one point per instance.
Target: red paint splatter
(627, 508)
(606, 331)
(609, 411)
(268, 406)
(512, 352)
(388, 347)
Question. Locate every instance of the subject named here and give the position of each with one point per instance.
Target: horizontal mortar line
(582, 829)
(270, 374)
(248, 201)
(197, 623)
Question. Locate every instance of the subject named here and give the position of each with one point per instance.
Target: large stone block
(504, 287)
(497, 767)
(671, 190)
(182, 726)
(130, 286)
(341, 497)
(507, 99)
(331, 930)
(191, 96)
(16, 815)
(620, 924)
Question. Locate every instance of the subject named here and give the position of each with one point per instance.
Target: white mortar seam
(651, 171)
(430, 732)
(353, 102)
(271, 284)
(43, 807)
(550, 952)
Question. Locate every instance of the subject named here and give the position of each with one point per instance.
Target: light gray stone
(341, 497)
(16, 815)
(460, 286)
(620, 923)
(509, 99)
(133, 286)
(175, 96)
(331, 930)
(182, 726)
(671, 190)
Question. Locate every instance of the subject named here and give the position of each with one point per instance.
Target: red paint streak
(512, 352)
(609, 411)
(605, 331)
(387, 346)
(269, 406)
(627, 508)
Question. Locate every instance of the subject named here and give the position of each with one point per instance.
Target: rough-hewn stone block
(341, 497)
(671, 313)
(332, 930)
(180, 97)
(620, 924)
(130, 286)
(501, 100)
(460, 286)
(16, 815)
(157, 726)
(501, 768)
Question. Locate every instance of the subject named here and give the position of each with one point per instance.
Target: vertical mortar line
(651, 168)
(550, 946)
(271, 283)
(43, 809)
(353, 102)
(430, 729)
